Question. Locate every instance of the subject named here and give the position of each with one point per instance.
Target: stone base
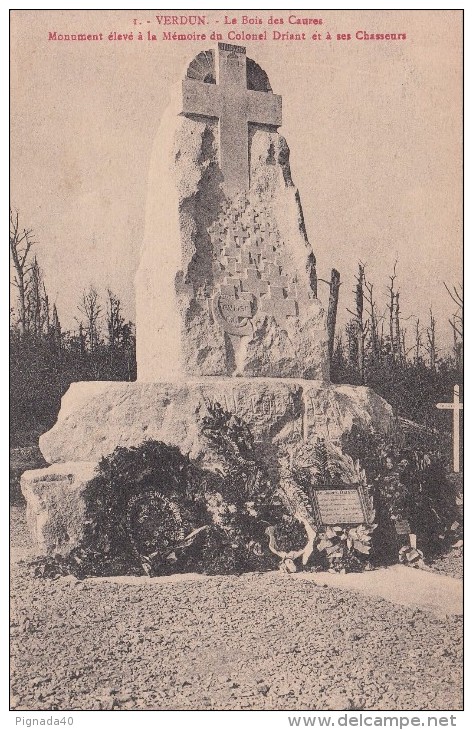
(96, 417)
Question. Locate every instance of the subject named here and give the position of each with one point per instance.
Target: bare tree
(402, 344)
(374, 318)
(418, 342)
(359, 326)
(82, 340)
(55, 329)
(46, 311)
(21, 241)
(352, 340)
(431, 346)
(37, 302)
(397, 327)
(91, 309)
(456, 323)
(115, 320)
(393, 307)
(332, 310)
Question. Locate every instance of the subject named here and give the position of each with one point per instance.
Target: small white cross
(456, 406)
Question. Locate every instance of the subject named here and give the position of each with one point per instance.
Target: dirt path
(441, 595)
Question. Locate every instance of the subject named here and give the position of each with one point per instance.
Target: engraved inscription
(233, 314)
(264, 409)
(236, 308)
(339, 506)
(228, 401)
(278, 406)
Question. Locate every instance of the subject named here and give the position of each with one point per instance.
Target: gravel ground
(258, 641)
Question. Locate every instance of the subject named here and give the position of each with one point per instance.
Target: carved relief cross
(235, 106)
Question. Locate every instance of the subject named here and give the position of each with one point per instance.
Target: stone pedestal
(96, 417)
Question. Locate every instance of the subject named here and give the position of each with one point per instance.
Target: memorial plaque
(339, 506)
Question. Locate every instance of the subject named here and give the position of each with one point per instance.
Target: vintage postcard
(236, 351)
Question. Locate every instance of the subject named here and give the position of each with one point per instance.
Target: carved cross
(456, 407)
(235, 106)
(279, 305)
(252, 283)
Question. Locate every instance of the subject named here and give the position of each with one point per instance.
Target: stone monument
(226, 284)
(227, 306)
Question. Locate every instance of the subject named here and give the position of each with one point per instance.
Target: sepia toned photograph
(236, 361)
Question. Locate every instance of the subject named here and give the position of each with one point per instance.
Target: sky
(374, 128)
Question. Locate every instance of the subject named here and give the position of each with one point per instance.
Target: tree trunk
(359, 323)
(332, 310)
(397, 327)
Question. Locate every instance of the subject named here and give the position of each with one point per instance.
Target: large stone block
(55, 505)
(96, 417)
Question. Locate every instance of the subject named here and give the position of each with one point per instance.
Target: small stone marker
(456, 407)
(402, 527)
